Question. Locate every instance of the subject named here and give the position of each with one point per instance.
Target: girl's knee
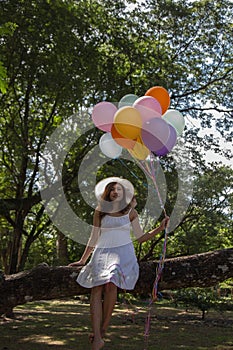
(97, 290)
(110, 287)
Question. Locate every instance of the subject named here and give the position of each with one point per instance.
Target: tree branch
(45, 283)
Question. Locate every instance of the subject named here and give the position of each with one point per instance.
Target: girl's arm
(139, 234)
(91, 242)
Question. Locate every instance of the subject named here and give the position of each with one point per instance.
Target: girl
(113, 263)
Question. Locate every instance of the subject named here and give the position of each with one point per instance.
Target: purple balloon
(155, 133)
(170, 143)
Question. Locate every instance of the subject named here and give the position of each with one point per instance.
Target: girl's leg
(96, 316)
(110, 297)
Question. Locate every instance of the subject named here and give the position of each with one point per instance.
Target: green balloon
(176, 119)
(127, 100)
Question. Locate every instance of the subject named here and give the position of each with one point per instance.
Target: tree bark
(44, 282)
(62, 249)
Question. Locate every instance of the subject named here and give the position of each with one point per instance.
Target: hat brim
(100, 187)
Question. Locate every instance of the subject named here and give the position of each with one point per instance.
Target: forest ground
(65, 325)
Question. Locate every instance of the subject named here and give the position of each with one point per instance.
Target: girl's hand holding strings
(165, 222)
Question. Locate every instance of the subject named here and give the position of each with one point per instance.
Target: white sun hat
(100, 187)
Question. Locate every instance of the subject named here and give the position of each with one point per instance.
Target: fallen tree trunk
(44, 282)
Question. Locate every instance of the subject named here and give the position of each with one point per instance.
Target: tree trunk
(44, 282)
(62, 250)
(15, 251)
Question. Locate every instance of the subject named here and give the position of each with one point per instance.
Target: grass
(65, 325)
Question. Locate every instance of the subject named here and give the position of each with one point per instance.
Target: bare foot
(91, 336)
(97, 344)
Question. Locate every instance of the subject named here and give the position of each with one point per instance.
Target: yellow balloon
(128, 122)
(140, 151)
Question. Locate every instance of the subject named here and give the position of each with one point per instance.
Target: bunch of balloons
(140, 124)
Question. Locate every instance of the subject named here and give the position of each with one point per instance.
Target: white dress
(113, 259)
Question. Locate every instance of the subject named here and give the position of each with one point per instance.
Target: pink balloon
(103, 115)
(169, 144)
(149, 107)
(155, 133)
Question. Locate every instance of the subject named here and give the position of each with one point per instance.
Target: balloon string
(147, 327)
(140, 165)
(160, 267)
(154, 294)
(149, 169)
(143, 166)
(125, 165)
(153, 177)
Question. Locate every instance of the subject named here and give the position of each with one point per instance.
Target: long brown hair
(104, 208)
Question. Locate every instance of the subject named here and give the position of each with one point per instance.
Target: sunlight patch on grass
(42, 339)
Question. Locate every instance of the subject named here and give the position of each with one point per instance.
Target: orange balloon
(121, 140)
(161, 95)
(128, 122)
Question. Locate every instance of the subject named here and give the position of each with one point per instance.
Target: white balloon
(109, 147)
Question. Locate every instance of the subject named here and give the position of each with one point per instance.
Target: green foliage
(203, 299)
(3, 76)
(43, 250)
(5, 30)
(207, 224)
(60, 57)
